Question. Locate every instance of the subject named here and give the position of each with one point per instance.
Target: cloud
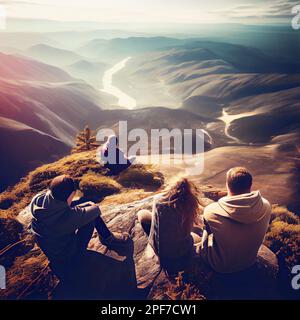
(12, 2)
(154, 11)
(267, 10)
(281, 8)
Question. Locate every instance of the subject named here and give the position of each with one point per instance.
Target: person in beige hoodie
(235, 226)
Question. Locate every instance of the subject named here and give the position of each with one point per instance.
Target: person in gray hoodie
(62, 231)
(235, 226)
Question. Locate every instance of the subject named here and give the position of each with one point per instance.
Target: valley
(240, 96)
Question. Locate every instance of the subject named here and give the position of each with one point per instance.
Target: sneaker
(116, 240)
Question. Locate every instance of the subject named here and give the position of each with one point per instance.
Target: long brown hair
(183, 197)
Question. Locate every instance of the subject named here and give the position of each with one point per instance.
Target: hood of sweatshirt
(46, 210)
(245, 208)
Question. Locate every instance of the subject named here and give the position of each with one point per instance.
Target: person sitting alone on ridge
(113, 158)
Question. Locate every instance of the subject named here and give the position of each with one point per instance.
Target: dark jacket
(54, 223)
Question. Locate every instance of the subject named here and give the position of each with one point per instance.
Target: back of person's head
(112, 140)
(62, 187)
(239, 180)
(183, 198)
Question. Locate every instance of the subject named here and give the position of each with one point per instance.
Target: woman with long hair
(170, 225)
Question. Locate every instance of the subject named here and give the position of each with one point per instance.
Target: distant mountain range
(23, 148)
(21, 68)
(115, 49)
(52, 55)
(41, 108)
(207, 78)
(47, 96)
(76, 65)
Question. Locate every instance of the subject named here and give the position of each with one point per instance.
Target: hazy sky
(152, 11)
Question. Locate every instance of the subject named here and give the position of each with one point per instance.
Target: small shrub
(138, 176)
(283, 236)
(178, 289)
(97, 187)
(280, 213)
(284, 239)
(40, 179)
(85, 141)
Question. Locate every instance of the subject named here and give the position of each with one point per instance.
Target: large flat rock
(113, 274)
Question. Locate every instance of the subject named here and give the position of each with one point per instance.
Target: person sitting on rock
(62, 231)
(170, 224)
(235, 226)
(113, 158)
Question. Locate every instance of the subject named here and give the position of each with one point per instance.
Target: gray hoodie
(235, 229)
(54, 223)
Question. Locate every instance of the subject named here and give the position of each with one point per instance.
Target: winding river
(124, 100)
(228, 118)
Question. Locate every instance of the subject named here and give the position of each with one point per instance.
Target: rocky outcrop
(109, 272)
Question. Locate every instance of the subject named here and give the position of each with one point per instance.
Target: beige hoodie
(235, 229)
